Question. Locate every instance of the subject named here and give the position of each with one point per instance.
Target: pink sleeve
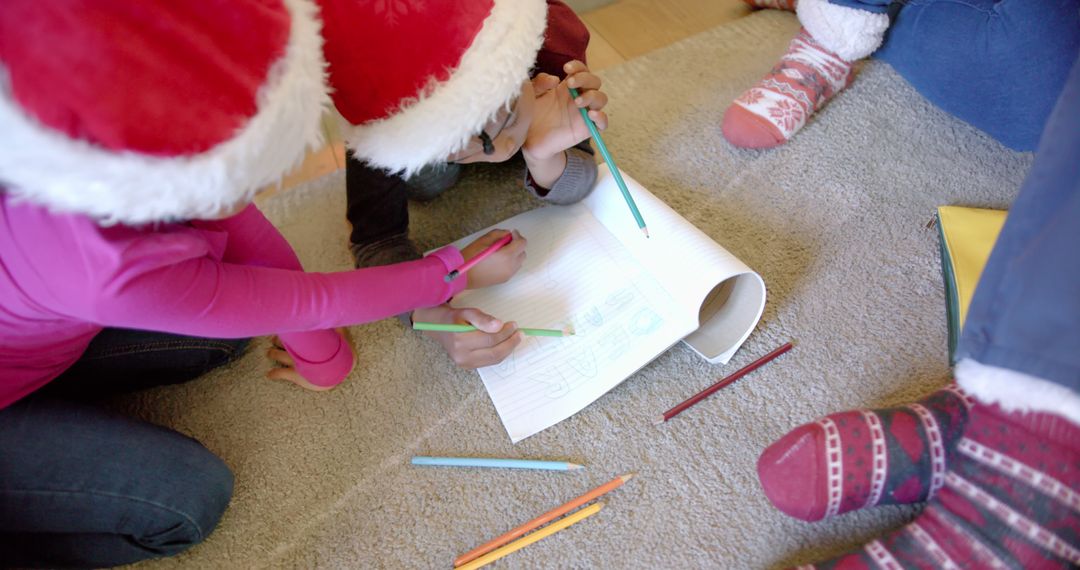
(176, 278)
(322, 357)
(203, 297)
(253, 240)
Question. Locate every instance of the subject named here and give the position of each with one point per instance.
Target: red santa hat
(136, 111)
(415, 80)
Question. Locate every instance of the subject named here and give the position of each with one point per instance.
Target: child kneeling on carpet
(417, 114)
(127, 171)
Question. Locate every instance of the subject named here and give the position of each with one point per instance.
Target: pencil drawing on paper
(566, 375)
(627, 300)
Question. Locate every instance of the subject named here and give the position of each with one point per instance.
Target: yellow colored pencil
(541, 520)
(533, 537)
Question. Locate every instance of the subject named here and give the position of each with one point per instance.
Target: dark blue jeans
(1025, 314)
(84, 487)
(998, 65)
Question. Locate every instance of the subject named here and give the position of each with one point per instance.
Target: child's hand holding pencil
(557, 123)
(491, 342)
(491, 259)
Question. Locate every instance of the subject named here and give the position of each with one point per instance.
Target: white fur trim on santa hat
(1016, 391)
(849, 33)
(45, 166)
(430, 128)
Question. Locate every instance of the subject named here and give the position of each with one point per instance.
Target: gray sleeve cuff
(575, 183)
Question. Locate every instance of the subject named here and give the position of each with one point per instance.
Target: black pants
(377, 203)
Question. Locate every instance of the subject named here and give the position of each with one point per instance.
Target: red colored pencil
(733, 377)
(479, 257)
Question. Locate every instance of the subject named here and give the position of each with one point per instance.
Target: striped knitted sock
(861, 458)
(1010, 500)
(772, 111)
(788, 5)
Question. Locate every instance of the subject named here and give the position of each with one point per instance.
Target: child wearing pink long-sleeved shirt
(133, 137)
(66, 278)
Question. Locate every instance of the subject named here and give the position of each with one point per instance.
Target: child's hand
(500, 266)
(489, 345)
(557, 124)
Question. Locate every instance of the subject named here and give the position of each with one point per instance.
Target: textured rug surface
(835, 222)
(582, 6)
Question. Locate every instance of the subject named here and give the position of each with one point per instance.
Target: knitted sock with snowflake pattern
(1010, 500)
(771, 112)
(861, 458)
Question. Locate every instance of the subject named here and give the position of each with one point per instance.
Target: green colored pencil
(443, 327)
(611, 165)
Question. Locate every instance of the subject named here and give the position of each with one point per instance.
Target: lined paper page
(686, 262)
(576, 274)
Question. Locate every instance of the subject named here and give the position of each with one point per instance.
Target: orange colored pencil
(541, 520)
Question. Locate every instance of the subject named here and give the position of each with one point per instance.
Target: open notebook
(967, 237)
(628, 298)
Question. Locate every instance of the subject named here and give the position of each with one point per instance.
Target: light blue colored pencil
(496, 463)
(611, 165)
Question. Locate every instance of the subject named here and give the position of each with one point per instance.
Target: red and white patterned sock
(1010, 500)
(861, 458)
(772, 111)
(788, 5)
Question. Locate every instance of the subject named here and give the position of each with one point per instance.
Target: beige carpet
(582, 6)
(834, 222)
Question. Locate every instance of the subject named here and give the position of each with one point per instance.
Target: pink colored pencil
(733, 377)
(479, 257)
